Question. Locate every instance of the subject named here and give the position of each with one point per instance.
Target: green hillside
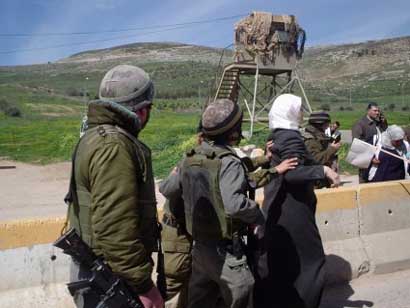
(41, 106)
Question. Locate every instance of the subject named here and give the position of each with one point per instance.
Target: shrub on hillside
(74, 92)
(405, 108)
(9, 109)
(325, 107)
(317, 98)
(4, 104)
(13, 111)
(349, 108)
(391, 107)
(341, 108)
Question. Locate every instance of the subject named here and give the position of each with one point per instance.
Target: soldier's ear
(143, 115)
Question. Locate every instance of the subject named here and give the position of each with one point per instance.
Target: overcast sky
(325, 21)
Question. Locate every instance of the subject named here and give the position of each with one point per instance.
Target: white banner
(360, 154)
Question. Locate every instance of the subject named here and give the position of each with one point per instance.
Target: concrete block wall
(30, 278)
(365, 229)
(338, 222)
(385, 225)
(14, 234)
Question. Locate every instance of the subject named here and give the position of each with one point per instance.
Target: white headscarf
(285, 112)
(392, 133)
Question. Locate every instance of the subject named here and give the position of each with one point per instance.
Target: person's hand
(287, 164)
(152, 299)
(336, 145)
(332, 176)
(268, 149)
(375, 161)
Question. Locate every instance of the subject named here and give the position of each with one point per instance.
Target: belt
(235, 247)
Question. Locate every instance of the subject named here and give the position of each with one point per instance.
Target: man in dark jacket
(114, 206)
(369, 129)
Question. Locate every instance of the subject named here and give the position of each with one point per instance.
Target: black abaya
(291, 270)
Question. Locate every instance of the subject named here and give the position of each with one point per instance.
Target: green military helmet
(221, 117)
(127, 85)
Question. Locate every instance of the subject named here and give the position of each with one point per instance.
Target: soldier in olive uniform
(212, 181)
(112, 188)
(177, 245)
(177, 242)
(322, 148)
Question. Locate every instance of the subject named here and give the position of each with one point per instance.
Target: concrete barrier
(14, 234)
(385, 225)
(364, 229)
(338, 222)
(31, 279)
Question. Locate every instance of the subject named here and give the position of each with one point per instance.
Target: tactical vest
(79, 208)
(204, 209)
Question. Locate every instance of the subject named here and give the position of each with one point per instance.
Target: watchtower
(267, 48)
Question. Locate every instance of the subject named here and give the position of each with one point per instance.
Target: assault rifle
(113, 290)
(161, 281)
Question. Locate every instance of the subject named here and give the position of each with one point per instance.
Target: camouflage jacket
(318, 144)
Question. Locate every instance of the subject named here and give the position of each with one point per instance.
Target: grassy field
(49, 126)
(49, 139)
(42, 139)
(348, 118)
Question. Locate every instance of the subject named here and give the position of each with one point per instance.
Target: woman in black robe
(291, 265)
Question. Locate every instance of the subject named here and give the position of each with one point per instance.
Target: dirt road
(31, 191)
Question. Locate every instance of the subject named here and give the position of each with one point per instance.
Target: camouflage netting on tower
(268, 36)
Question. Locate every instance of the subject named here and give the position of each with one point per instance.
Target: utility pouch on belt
(112, 290)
